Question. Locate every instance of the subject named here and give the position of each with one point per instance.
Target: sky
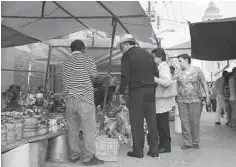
(183, 11)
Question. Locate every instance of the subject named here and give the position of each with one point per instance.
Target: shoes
(217, 123)
(185, 147)
(133, 154)
(227, 124)
(94, 161)
(165, 150)
(196, 146)
(154, 155)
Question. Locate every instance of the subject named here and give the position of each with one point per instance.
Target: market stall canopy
(98, 49)
(25, 22)
(183, 48)
(214, 40)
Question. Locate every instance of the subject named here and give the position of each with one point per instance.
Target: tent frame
(114, 20)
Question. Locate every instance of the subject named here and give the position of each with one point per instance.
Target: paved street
(217, 149)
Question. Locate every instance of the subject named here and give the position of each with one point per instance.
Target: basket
(107, 149)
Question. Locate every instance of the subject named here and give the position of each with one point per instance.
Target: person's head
(78, 45)
(234, 71)
(126, 42)
(13, 88)
(225, 73)
(184, 61)
(159, 55)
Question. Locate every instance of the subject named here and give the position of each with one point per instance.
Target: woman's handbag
(165, 92)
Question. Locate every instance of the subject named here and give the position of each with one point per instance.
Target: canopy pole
(114, 23)
(46, 77)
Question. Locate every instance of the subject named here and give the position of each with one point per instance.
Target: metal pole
(149, 7)
(114, 23)
(114, 16)
(46, 77)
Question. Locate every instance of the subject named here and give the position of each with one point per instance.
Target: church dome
(212, 9)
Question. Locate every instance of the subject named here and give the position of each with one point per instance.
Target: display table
(28, 152)
(30, 140)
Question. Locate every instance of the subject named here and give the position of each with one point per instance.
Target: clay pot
(30, 121)
(10, 126)
(29, 130)
(11, 140)
(29, 134)
(19, 134)
(4, 143)
(42, 131)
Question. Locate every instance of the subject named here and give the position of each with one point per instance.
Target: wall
(7, 62)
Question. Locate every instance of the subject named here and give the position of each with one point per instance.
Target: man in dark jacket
(137, 71)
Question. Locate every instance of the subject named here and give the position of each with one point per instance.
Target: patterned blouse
(189, 85)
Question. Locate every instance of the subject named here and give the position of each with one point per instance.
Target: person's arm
(204, 85)
(164, 76)
(124, 74)
(93, 70)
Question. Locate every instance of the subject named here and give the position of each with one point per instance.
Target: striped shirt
(77, 71)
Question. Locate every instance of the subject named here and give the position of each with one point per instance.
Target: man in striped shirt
(79, 71)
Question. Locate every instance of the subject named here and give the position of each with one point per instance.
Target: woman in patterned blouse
(189, 79)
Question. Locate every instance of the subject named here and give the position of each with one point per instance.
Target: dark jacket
(137, 69)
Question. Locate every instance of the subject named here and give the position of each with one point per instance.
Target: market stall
(35, 21)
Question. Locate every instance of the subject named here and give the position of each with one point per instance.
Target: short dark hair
(160, 53)
(185, 57)
(225, 73)
(234, 69)
(77, 45)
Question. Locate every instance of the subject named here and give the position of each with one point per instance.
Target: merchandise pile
(58, 103)
(116, 124)
(25, 115)
(57, 122)
(25, 124)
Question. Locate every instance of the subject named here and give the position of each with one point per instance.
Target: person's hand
(156, 79)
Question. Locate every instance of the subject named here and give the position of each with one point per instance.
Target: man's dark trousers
(142, 105)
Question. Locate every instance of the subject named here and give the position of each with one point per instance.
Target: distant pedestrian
(232, 86)
(220, 99)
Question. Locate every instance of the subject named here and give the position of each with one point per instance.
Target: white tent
(97, 49)
(25, 22)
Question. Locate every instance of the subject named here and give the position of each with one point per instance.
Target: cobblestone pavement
(217, 149)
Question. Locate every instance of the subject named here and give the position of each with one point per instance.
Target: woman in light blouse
(163, 104)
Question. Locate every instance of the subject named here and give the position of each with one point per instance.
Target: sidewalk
(217, 149)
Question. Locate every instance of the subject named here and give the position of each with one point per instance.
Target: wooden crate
(107, 149)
